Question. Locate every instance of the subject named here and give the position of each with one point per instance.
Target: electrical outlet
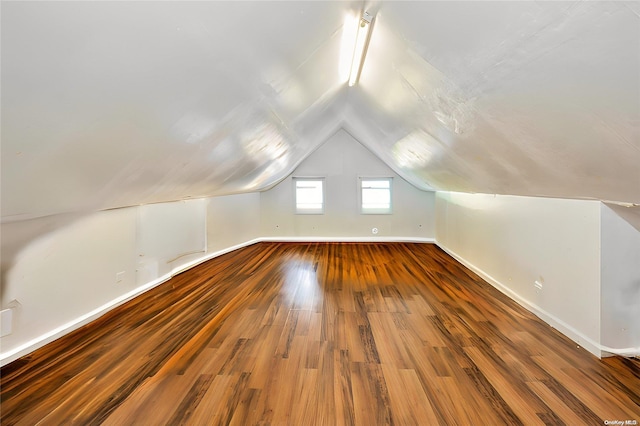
(120, 276)
(374, 231)
(537, 284)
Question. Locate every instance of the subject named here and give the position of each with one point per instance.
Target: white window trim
(375, 211)
(295, 195)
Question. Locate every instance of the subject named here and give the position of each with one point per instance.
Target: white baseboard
(50, 336)
(38, 342)
(348, 239)
(582, 340)
(578, 337)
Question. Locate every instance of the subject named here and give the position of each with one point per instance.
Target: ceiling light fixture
(362, 42)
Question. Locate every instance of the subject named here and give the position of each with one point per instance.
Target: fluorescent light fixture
(347, 43)
(362, 39)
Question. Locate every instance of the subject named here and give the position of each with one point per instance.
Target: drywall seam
(586, 342)
(38, 342)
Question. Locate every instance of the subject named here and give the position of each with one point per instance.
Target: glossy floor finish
(320, 333)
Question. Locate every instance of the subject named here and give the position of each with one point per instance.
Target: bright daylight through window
(375, 196)
(309, 196)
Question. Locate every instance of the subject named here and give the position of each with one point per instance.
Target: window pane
(376, 195)
(376, 183)
(309, 196)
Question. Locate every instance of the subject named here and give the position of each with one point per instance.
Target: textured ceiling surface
(110, 104)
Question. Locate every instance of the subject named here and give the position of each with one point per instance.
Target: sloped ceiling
(110, 104)
(523, 98)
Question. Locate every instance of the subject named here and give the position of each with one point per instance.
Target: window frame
(296, 208)
(368, 211)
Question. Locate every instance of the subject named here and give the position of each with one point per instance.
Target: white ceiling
(109, 104)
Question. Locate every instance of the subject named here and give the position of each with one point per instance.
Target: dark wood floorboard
(320, 333)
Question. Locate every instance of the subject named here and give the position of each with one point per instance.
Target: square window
(309, 194)
(375, 195)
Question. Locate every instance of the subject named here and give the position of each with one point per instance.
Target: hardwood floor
(320, 333)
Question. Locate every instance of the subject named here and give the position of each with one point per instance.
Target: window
(375, 195)
(309, 195)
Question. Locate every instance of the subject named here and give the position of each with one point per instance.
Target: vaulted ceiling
(110, 104)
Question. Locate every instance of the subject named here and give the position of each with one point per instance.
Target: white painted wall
(169, 235)
(514, 241)
(66, 274)
(620, 285)
(341, 160)
(232, 220)
(67, 277)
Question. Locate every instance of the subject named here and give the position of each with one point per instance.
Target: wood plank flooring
(320, 334)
